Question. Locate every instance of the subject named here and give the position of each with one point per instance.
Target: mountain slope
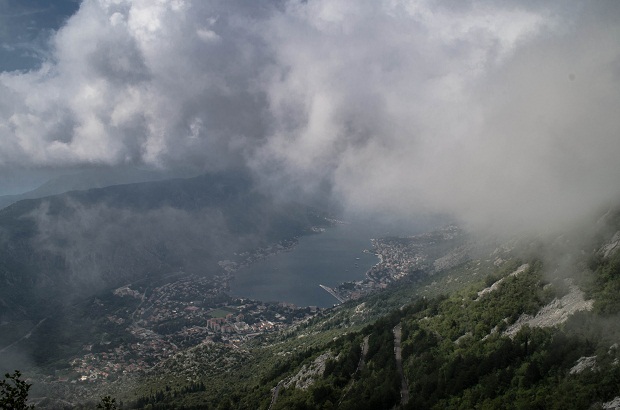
(57, 252)
(517, 333)
(87, 179)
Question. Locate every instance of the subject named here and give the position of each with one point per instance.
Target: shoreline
(333, 293)
(338, 262)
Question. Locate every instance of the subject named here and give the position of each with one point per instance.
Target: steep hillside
(511, 328)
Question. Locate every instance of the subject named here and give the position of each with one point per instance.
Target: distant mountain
(58, 249)
(87, 179)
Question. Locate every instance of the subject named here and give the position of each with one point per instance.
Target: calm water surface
(329, 258)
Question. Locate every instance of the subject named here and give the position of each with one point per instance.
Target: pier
(333, 293)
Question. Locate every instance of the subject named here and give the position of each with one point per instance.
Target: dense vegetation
(456, 355)
(605, 288)
(14, 392)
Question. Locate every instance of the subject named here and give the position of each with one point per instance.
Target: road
(404, 388)
(26, 336)
(362, 363)
(360, 366)
(274, 396)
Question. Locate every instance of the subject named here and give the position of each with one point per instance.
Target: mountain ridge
(58, 252)
(84, 180)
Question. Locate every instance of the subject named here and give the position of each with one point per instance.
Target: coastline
(340, 254)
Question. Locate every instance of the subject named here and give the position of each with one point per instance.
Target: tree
(107, 403)
(14, 392)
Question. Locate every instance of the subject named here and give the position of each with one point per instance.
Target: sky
(502, 114)
(25, 28)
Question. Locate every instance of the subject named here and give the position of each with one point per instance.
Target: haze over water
(329, 258)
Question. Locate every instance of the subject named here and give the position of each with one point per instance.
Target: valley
(143, 324)
(309, 204)
(511, 331)
(405, 334)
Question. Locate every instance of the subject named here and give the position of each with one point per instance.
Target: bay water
(328, 258)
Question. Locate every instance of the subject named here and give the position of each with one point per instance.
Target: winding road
(276, 392)
(360, 366)
(404, 388)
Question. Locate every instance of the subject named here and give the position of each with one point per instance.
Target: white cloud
(207, 35)
(492, 111)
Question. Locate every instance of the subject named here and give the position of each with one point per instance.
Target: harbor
(332, 292)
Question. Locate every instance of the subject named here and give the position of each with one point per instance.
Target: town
(144, 325)
(172, 317)
(400, 258)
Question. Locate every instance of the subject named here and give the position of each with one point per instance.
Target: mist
(101, 244)
(501, 115)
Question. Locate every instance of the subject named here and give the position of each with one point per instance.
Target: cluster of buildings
(95, 367)
(146, 326)
(398, 258)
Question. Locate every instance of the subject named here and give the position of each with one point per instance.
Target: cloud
(101, 245)
(500, 113)
(135, 82)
